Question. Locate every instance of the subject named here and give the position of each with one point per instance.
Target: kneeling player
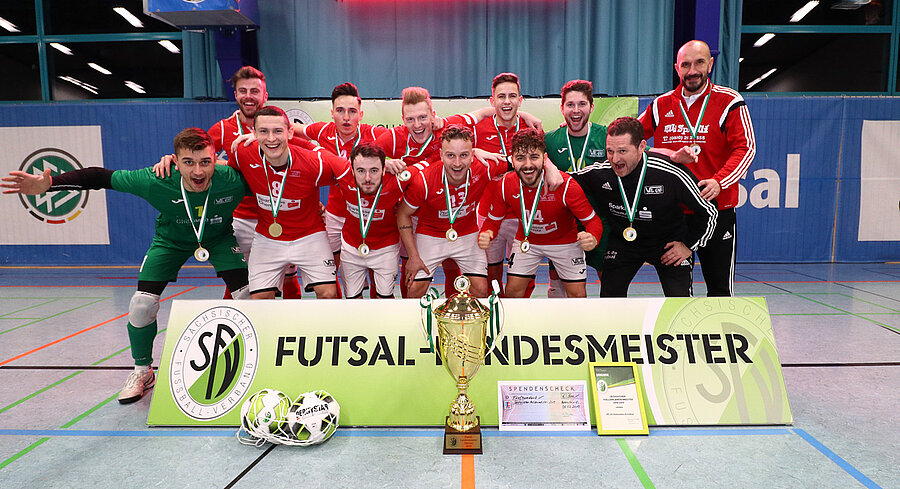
(369, 238)
(203, 192)
(547, 226)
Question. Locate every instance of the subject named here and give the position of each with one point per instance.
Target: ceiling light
(134, 86)
(80, 84)
(129, 16)
(763, 39)
(761, 78)
(61, 48)
(8, 25)
(100, 68)
(740, 60)
(170, 46)
(798, 15)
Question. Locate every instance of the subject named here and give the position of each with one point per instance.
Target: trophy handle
(496, 307)
(426, 317)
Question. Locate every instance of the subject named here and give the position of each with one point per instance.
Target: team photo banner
(703, 361)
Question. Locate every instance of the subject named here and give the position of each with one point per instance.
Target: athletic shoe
(136, 385)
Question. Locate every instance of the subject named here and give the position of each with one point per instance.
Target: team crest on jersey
(653, 189)
(53, 207)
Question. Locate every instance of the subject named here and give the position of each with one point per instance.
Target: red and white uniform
(383, 230)
(494, 137)
(398, 144)
(554, 221)
(725, 135)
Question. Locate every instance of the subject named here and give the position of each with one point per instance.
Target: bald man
(711, 124)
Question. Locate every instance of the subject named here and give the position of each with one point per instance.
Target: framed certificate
(543, 405)
(618, 399)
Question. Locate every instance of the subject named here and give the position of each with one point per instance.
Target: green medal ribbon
(277, 206)
(426, 302)
(337, 142)
(528, 219)
(187, 207)
(365, 224)
(421, 150)
(495, 320)
(451, 215)
(578, 165)
(694, 128)
(503, 143)
(630, 210)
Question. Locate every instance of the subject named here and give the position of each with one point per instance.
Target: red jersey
(298, 211)
(383, 229)
(425, 193)
(725, 135)
(398, 144)
(493, 137)
(325, 133)
(554, 221)
(223, 134)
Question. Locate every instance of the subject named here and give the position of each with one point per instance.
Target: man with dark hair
(712, 124)
(195, 207)
(547, 220)
(370, 239)
(290, 230)
(642, 195)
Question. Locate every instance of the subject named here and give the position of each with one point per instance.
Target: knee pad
(241, 294)
(142, 309)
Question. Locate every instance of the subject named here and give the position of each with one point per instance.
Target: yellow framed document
(618, 399)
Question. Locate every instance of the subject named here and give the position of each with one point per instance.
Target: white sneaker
(136, 385)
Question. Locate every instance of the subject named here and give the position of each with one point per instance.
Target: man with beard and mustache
(712, 124)
(547, 220)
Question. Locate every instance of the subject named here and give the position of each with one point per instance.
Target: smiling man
(195, 207)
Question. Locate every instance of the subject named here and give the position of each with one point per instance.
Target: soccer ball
(313, 417)
(265, 412)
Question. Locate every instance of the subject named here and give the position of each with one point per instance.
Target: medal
(337, 143)
(201, 254)
(365, 224)
(451, 213)
(528, 218)
(405, 175)
(421, 150)
(694, 128)
(500, 136)
(579, 164)
(630, 234)
(275, 229)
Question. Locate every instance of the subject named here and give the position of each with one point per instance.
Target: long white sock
(141, 369)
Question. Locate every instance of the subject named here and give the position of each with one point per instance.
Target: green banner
(703, 361)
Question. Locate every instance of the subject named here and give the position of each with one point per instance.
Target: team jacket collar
(679, 91)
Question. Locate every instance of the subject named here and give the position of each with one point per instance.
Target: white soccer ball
(265, 412)
(313, 417)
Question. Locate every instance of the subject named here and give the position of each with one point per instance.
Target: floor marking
(467, 471)
(3, 316)
(249, 467)
(52, 316)
(82, 331)
(885, 326)
(635, 464)
(856, 474)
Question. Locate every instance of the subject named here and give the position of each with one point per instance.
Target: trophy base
(462, 442)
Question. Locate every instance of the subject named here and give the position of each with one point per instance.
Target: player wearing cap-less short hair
(547, 220)
(195, 207)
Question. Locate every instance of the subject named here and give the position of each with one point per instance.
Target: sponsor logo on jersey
(294, 173)
(653, 189)
(493, 136)
(578, 261)
(213, 363)
(53, 207)
(596, 153)
(215, 220)
(610, 255)
(225, 200)
(606, 186)
(645, 214)
(328, 263)
(562, 150)
(254, 165)
(177, 201)
(669, 114)
(727, 235)
(684, 263)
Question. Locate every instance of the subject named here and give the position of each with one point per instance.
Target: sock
(291, 287)
(227, 294)
(142, 369)
(142, 343)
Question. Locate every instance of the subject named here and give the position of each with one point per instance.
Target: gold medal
(405, 175)
(630, 234)
(201, 254)
(363, 249)
(696, 149)
(275, 229)
(524, 246)
(452, 235)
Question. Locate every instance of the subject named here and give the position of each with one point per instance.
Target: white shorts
(567, 258)
(496, 252)
(464, 251)
(244, 230)
(355, 267)
(333, 226)
(311, 254)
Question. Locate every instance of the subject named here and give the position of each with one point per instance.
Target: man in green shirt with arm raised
(195, 207)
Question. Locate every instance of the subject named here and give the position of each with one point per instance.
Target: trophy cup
(463, 328)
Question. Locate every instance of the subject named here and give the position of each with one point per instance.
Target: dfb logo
(53, 207)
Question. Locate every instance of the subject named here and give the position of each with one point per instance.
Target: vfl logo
(653, 189)
(213, 363)
(53, 207)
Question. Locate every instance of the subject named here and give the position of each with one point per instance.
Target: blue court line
(837, 459)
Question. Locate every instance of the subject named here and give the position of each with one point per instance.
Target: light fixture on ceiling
(61, 48)
(9, 26)
(170, 46)
(799, 14)
(763, 39)
(100, 68)
(134, 86)
(129, 16)
(80, 84)
(761, 78)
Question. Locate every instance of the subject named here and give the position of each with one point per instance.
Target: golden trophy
(466, 333)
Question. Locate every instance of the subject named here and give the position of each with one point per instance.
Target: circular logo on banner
(213, 363)
(53, 207)
(300, 116)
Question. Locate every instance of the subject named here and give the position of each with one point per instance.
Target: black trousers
(623, 262)
(717, 257)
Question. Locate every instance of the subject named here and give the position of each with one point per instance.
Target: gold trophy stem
(462, 410)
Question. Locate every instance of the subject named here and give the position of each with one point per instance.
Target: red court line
(82, 331)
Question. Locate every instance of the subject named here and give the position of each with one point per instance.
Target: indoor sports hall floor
(64, 356)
